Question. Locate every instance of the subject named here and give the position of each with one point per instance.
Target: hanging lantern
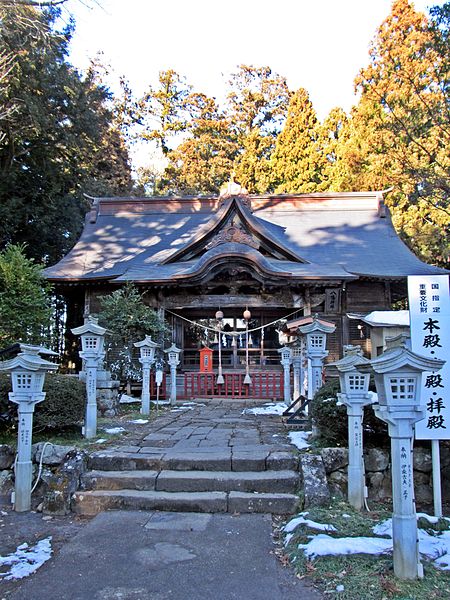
(247, 315)
(219, 315)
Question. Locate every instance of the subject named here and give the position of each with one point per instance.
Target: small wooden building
(282, 257)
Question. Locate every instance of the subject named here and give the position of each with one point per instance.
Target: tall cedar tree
(296, 160)
(54, 127)
(401, 127)
(332, 134)
(162, 110)
(257, 107)
(203, 162)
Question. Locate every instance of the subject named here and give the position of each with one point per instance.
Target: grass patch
(359, 576)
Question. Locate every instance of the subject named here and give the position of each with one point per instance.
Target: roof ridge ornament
(234, 188)
(233, 233)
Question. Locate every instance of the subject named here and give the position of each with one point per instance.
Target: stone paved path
(154, 555)
(246, 462)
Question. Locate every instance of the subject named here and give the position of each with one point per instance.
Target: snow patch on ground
(113, 430)
(271, 408)
(323, 544)
(435, 547)
(126, 399)
(299, 439)
(26, 559)
(139, 421)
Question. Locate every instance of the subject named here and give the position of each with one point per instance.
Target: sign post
(429, 309)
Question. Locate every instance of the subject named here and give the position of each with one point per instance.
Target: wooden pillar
(307, 309)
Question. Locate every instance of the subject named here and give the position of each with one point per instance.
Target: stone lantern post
(147, 348)
(219, 317)
(316, 340)
(173, 354)
(354, 395)
(297, 363)
(92, 344)
(28, 371)
(286, 359)
(398, 378)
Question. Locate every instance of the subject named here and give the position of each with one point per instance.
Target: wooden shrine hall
(280, 257)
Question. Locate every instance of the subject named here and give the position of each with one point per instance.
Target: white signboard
(429, 310)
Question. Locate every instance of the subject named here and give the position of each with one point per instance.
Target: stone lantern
(398, 378)
(173, 355)
(286, 359)
(28, 371)
(316, 332)
(354, 395)
(92, 352)
(147, 348)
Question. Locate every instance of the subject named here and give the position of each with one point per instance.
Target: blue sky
(316, 44)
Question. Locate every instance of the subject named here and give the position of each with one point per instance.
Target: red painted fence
(264, 385)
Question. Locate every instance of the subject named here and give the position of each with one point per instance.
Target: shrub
(331, 419)
(63, 407)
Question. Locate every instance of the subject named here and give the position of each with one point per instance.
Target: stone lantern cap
(398, 356)
(91, 327)
(353, 359)
(173, 348)
(147, 342)
(314, 325)
(30, 360)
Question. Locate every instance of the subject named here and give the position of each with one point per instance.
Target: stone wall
(61, 469)
(378, 473)
(107, 393)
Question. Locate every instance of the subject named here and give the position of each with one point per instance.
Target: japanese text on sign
(429, 309)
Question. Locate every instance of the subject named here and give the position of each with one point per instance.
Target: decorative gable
(233, 233)
(235, 223)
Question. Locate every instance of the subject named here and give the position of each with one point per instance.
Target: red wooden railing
(265, 385)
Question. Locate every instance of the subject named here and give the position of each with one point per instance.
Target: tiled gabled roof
(297, 237)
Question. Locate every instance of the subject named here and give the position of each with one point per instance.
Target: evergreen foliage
(24, 298)
(204, 161)
(128, 319)
(402, 125)
(257, 107)
(63, 407)
(54, 135)
(295, 160)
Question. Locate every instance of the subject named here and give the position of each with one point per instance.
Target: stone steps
(193, 481)
(90, 503)
(190, 460)
(209, 463)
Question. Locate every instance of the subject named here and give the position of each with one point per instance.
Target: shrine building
(281, 257)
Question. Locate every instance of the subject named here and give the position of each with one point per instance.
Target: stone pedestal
(24, 466)
(404, 520)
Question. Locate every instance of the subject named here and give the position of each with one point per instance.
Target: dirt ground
(30, 527)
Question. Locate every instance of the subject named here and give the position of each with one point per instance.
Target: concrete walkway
(130, 555)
